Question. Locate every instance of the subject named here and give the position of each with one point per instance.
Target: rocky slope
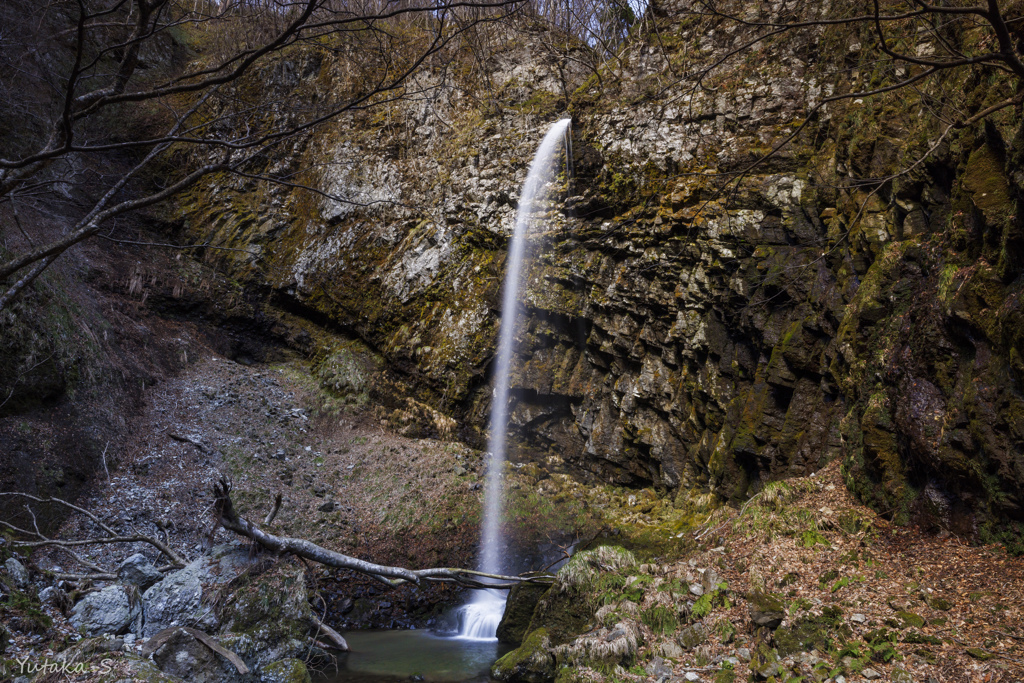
(689, 327)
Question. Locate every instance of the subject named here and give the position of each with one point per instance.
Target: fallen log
(389, 576)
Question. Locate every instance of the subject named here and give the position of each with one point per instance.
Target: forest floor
(860, 598)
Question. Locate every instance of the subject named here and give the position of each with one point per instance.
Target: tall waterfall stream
(480, 617)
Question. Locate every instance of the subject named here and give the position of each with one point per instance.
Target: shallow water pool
(379, 656)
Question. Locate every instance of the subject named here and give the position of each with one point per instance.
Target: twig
(273, 512)
(104, 456)
(188, 439)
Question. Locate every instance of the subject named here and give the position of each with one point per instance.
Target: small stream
(390, 656)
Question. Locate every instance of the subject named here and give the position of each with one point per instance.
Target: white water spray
(480, 618)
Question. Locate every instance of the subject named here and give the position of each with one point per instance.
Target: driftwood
(389, 576)
(273, 511)
(337, 641)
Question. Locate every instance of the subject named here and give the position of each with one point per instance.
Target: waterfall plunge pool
(391, 656)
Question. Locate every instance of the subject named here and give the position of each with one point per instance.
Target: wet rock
(138, 571)
(115, 610)
(519, 608)
(531, 662)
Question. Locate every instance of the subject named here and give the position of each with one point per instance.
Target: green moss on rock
(531, 662)
(519, 608)
(285, 671)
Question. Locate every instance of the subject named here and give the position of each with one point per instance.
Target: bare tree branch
(390, 576)
(111, 537)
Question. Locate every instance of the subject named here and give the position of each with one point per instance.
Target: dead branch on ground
(389, 576)
(112, 536)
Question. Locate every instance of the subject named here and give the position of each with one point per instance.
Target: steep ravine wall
(682, 332)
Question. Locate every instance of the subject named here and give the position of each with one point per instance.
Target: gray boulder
(56, 596)
(115, 609)
(766, 610)
(183, 656)
(176, 600)
(16, 570)
(138, 571)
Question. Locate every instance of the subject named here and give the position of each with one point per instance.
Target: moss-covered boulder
(765, 663)
(267, 617)
(909, 619)
(692, 636)
(519, 608)
(531, 662)
(567, 608)
(804, 635)
(285, 671)
(766, 609)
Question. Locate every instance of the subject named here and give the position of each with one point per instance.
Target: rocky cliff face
(694, 322)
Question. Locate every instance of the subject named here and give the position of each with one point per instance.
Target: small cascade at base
(479, 619)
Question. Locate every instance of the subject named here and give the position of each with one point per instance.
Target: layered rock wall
(695, 320)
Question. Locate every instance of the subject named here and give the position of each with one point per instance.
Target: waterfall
(479, 618)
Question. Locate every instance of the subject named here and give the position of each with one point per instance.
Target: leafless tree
(920, 43)
(94, 85)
